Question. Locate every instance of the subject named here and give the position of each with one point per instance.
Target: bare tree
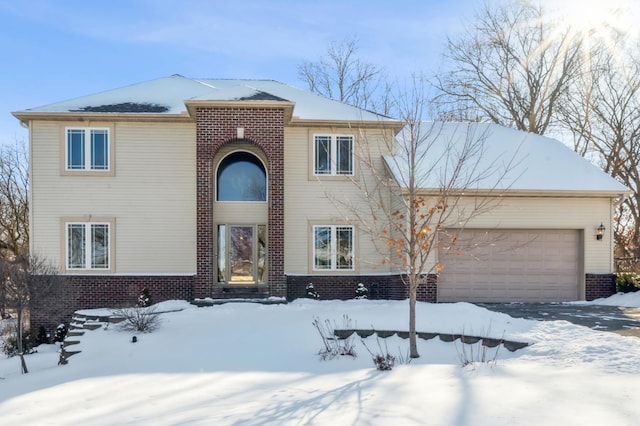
(604, 119)
(418, 196)
(513, 68)
(343, 76)
(26, 285)
(14, 209)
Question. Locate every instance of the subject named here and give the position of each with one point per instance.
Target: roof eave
(192, 105)
(531, 193)
(379, 124)
(26, 116)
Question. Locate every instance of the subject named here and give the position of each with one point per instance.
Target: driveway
(621, 320)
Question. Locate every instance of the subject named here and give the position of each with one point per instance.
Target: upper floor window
(241, 177)
(332, 247)
(88, 245)
(333, 155)
(87, 149)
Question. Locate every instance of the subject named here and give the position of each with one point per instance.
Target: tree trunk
(413, 344)
(23, 364)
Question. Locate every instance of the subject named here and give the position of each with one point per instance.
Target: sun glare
(610, 24)
(596, 18)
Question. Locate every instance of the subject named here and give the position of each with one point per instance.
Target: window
(87, 149)
(88, 245)
(333, 155)
(332, 248)
(241, 177)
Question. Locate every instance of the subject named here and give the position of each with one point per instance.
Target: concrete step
(93, 325)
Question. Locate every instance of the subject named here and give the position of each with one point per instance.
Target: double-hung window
(87, 149)
(88, 245)
(333, 155)
(332, 248)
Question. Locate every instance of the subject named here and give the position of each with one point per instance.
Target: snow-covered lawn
(253, 364)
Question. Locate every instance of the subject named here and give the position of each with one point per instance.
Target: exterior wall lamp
(600, 231)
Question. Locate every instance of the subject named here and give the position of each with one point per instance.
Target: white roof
(167, 95)
(498, 158)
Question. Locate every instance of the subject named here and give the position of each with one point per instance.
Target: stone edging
(490, 342)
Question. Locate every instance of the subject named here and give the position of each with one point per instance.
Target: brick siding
(264, 128)
(599, 285)
(343, 287)
(106, 291)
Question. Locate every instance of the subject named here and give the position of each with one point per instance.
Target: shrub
(361, 292)
(144, 320)
(627, 282)
(9, 345)
(311, 292)
(383, 360)
(42, 337)
(334, 346)
(61, 333)
(144, 300)
(476, 353)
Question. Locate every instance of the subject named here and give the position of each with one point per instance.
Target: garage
(511, 266)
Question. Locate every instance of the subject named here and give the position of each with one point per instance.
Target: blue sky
(56, 50)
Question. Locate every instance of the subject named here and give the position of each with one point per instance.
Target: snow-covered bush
(311, 292)
(61, 333)
(627, 282)
(144, 299)
(9, 344)
(361, 292)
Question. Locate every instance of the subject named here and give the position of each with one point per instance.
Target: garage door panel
(511, 265)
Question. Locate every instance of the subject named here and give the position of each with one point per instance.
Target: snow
(498, 158)
(247, 363)
(630, 300)
(172, 92)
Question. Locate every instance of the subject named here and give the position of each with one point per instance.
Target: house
(199, 188)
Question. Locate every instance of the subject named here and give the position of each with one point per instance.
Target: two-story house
(200, 188)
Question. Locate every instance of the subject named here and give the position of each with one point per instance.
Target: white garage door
(511, 266)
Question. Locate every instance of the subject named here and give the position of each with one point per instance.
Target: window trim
(333, 251)
(333, 156)
(87, 170)
(87, 222)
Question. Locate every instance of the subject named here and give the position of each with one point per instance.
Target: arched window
(241, 177)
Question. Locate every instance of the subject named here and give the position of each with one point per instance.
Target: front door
(242, 254)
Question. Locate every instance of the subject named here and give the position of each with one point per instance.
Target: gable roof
(167, 96)
(498, 158)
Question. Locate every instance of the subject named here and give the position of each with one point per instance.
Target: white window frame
(88, 246)
(88, 153)
(333, 154)
(333, 241)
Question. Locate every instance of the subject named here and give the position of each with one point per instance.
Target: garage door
(511, 266)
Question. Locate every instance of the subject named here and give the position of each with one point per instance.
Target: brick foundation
(599, 285)
(100, 291)
(343, 287)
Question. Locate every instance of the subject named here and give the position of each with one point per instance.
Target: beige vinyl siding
(151, 196)
(306, 202)
(583, 214)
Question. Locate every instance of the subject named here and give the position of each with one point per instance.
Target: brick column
(599, 285)
(263, 127)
